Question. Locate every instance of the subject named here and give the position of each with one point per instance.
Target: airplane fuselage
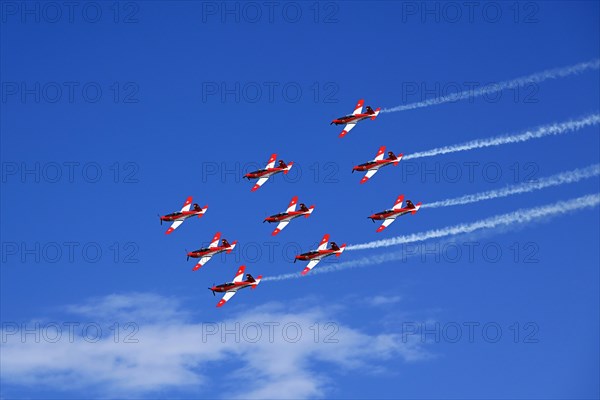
(316, 254)
(285, 216)
(392, 213)
(374, 165)
(261, 173)
(208, 251)
(180, 215)
(347, 119)
(231, 286)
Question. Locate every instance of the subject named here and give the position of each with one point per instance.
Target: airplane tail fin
(310, 210)
(289, 166)
(232, 247)
(416, 208)
(399, 158)
(203, 211)
(342, 248)
(256, 282)
(376, 113)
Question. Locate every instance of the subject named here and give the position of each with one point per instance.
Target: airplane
(205, 254)
(389, 216)
(264, 174)
(373, 166)
(284, 218)
(354, 118)
(179, 216)
(322, 251)
(231, 288)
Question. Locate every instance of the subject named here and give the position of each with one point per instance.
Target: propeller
(213, 292)
(159, 218)
(188, 255)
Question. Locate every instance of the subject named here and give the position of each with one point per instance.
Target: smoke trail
(519, 216)
(505, 220)
(498, 87)
(555, 180)
(541, 131)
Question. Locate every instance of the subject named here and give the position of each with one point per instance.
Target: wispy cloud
(175, 353)
(500, 86)
(569, 126)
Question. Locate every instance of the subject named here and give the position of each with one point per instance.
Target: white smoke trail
(500, 86)
(555, 180)
(519, 216)
(541, 131)
(522, 216)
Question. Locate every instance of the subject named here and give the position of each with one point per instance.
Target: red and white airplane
(284, 218)
(206, 253)
(179, 216)
(389, 216)
(231, 288)
(373, 166)
(264, 174)
(354, 118)
(322, 251)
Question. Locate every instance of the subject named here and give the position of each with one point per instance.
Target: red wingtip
(343, 134)
(197, 267)
(306, 271)
(380, 228)
(255, 188)
(220, 303)
(168, 232)
(275, 232)
(364, 179)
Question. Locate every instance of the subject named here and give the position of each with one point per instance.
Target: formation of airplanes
(293, 211)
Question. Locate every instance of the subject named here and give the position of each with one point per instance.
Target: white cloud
(383, 300)
(175, 353)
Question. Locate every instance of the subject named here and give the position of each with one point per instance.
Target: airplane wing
(347, 129)
(174, 226)
(225, 299)
(324, 241)
(259, 183)
(202, 262)
(292, 206)
(368, 175)
(240, 274)
(187, 205)
(359, 107)
(280, 226)
(271, 162)
(398, 203)
(215, 240)
(386, 223)
(379, 155)
(310, 266)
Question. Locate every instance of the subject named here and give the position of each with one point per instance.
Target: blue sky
(179, 114)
